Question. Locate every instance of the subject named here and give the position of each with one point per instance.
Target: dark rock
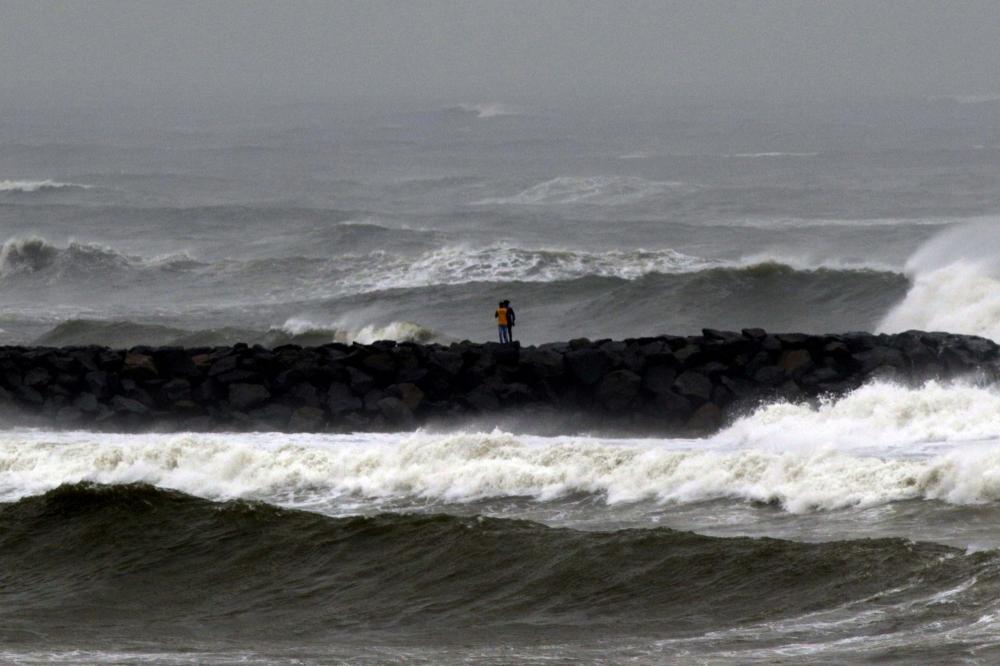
(177, 389)
(879, 357)
(587, 365)
(248, 396)
(306, 419)
(409, 394)
(273, 416)
(37, 377)
(658, 378)
(670, 406)
(340, 400)
(770, 375)
(483, 399)
(69, 415)
(122, 405)
(175, 362)
(240, 376)
(381, 365)
(689, 356)
(795, 361)
(139, 366)
(304, 395)
(724, 336)
(619, 389)
(360, 382)
(394, 411)
(693, 385)
(87, 403)
(448, 362)
(28, 395)
(372, 399)
(706, 418)
(542, 364)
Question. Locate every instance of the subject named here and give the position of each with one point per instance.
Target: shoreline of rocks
(662, 384)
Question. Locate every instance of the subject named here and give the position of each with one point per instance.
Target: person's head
(506, 303)
(500, 304)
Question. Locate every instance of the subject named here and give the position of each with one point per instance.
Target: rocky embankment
(665, 384)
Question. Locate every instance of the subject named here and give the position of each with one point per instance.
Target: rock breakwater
(667, 384)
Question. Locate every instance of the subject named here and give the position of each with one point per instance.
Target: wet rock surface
(664, 384)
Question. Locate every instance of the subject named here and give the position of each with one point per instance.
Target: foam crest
(457, 265)
(487, 109)
(593, 190)
(400, 331)
(32, 186)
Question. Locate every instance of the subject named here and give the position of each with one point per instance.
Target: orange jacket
(501, 316)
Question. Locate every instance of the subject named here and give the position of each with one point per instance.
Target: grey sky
(172, 52)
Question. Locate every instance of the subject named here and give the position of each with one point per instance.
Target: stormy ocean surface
(863, 529)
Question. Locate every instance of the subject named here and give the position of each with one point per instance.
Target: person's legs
(510, 334)
(503, 333)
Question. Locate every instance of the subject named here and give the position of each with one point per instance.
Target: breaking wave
(32, 186)
(23, 256)
(457, 265)
(881, 444)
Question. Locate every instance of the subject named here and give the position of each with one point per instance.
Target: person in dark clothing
(510, 321)
(502, 322)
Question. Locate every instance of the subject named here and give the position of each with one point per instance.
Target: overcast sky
(172, 52)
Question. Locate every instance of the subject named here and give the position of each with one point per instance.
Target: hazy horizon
(105, 54)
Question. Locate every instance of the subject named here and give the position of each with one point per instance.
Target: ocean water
(859, 530)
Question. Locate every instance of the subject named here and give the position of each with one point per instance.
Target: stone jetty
(664, 384)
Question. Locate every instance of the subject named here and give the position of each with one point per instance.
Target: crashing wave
(592, 190)
(955, 284)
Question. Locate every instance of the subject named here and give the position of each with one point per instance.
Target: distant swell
(593, 190)
(84, 563)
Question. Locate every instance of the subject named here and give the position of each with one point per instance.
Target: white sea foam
(457, 265)
(955, 284)
(593, 190)
(880, 444)
(771, 154)
(30, 186)
(400, 331)
(489, 109)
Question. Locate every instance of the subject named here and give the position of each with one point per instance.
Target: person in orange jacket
(503, 322)
(511, 319)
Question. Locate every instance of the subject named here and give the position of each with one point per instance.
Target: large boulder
(306, 419)
(695, 385)
(619, 390)
(587, 365)
(248, 396)
(340, 400)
